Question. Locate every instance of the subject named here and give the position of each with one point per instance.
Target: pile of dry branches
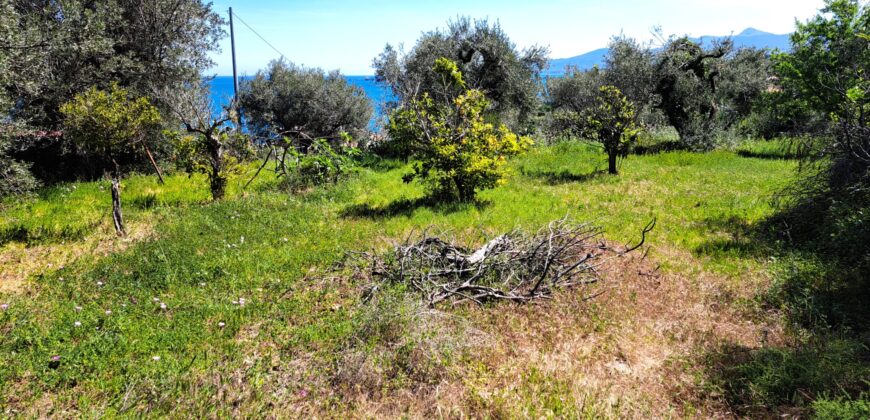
(515, 266)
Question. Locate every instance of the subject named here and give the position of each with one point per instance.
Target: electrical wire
(258, 35)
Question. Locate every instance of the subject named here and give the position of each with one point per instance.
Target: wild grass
(222, 309)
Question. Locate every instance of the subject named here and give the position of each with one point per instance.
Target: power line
(258, 35)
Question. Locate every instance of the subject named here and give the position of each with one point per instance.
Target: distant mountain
(750, 37)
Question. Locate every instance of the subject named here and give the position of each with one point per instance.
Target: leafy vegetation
(458, 152)
(304, 105)
(610, 121)
(488, 59)
(59, 49)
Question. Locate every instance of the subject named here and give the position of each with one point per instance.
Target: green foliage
(827, 212)
(15, 176)
(610, 120)
(459, 152)
(107, 123)
(55, 50)
(774, 376)
(63, 48)
(320, 165)
(628, 66)
(304, 104)
(487, 58)
(827, 66)
(842, 408)
(576, 91)
(193, 154)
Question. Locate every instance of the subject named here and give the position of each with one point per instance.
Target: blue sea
(222, 91)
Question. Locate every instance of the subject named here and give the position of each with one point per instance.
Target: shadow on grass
(43, 235)
(662, 147)
(561, 177)
(381, 164)
(407, 207)
(740, 240)
(777, 381)
(152, 200)
(769, 155)
(821, 287)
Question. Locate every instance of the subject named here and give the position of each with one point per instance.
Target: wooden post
(117, 217)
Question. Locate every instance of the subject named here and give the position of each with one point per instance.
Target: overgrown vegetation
(293, 291)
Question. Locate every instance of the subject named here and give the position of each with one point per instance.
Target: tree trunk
(611, 163)
(217, 180)
(117, 217)
(218, 185)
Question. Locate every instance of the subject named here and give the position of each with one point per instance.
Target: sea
(221, 91)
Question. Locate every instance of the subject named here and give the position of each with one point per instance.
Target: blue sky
(347, 34)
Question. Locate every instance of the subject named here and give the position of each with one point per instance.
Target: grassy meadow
(231, 308)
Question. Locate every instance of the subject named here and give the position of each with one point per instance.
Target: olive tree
(609, 120)
(488, 59)
(458, 151)
(107, 123)
(628, 66)
(61, 48)
(686, 76)
(304, 104)
(576, 90)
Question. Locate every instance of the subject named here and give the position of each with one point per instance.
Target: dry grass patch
(628, 352)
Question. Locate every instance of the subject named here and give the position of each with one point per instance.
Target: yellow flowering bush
(457, 151)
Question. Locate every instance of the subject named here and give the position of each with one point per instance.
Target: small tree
(211, 146)
(459, 152)
(610, 120)
(107, 123)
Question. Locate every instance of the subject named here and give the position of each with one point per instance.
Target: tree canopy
(483, 52)
(304, 104)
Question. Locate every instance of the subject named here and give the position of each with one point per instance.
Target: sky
(347, 34)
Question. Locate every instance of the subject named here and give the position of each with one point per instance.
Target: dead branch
(515, 266)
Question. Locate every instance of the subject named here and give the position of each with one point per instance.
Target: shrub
(842, 408)
(107, 123)
(459, 152)
(15, 176)
(321, 164)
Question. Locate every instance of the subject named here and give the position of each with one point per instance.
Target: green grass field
(205, 314)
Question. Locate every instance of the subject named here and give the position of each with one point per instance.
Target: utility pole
(235, 72)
